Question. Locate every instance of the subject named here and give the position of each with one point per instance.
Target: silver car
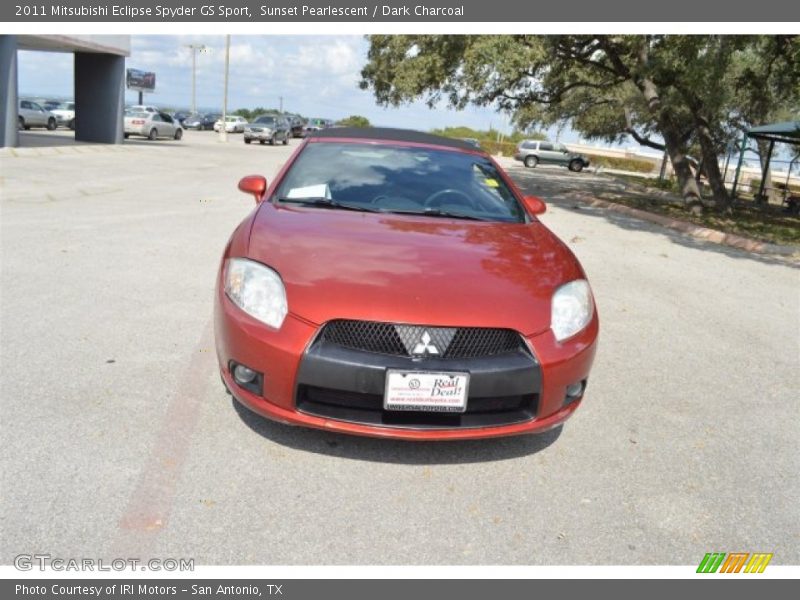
(31, 114)
(152, 125)
(64, 113)
(534, 152)
(268, 128)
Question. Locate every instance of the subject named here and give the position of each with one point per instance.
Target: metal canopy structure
(787, 132)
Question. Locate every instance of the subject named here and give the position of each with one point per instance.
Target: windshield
(385, 178)
(265, 120)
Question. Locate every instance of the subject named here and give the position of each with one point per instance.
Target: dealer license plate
(426, 391)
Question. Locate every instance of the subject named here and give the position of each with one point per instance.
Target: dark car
(182, 115)
(297, 124)
(201, 122)
(51, 104)
(397, 284)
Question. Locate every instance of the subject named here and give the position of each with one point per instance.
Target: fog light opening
(243, 375)
(575, 391)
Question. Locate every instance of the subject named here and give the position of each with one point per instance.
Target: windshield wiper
(437, 212)
(323, 202)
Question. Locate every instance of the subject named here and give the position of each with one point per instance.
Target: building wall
(99, 83)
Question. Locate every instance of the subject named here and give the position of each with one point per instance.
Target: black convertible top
(387, 133)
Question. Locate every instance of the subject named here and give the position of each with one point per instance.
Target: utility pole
(195, 48)
(223, 132)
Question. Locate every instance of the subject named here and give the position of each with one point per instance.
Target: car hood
(407, 269)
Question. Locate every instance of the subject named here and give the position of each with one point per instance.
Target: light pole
(223, 131)
(195, 48)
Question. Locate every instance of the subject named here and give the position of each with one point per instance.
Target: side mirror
(255, 185)
(534, 205)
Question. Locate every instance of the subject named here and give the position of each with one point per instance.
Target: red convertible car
(396, 284)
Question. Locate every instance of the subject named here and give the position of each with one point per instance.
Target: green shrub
(638, 165)
(489, 136)
(495, 148)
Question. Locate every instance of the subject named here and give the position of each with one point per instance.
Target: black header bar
(367, 11)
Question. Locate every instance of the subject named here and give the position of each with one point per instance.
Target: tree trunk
(670, 130)
(680, 163)
(711, 167)
(769, 191)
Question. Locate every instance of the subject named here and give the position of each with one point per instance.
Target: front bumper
(312, 384)
(258, 135)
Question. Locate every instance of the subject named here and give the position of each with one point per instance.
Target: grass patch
(768, 223)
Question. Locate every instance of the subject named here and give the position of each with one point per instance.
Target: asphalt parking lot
(119, 440)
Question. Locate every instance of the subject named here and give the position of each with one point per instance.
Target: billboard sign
(141, 81)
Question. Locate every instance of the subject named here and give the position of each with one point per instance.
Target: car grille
(367, 409)
(419, 340)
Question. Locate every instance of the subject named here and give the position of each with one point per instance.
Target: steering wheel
(431, 200)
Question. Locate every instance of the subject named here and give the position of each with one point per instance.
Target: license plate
(429, 391)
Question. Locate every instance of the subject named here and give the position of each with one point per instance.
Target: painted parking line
(151, 502)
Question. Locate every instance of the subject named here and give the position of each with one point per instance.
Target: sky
(316, 75)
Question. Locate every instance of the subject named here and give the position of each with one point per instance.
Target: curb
(697, 231)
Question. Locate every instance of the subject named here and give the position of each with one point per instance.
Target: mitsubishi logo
(424, 346)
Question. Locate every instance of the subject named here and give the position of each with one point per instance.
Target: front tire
(153, 134)
(51, 124)
(71, 124)
(178, 134)
(576, 166)
(531, 161)
(126, 135)
(20, 123)
(247, 140)
(272, 141)
(286, 140)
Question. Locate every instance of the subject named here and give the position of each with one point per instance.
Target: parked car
(65, 114)
(201, 122)
(268, 128)
(443, 308)
(534, 152)
(182, 115)
(297, 124)
(317, 124)
(50, 104)
(233, 124)
(31, 114)
(143, 108)
(151, 125)
(472, 141)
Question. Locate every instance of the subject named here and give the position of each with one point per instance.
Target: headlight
(571, 309)
(257, 290)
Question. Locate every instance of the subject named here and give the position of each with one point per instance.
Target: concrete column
(9, 111)
(99, 97)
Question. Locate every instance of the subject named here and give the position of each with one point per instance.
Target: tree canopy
(355, 121)
(683, 94)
